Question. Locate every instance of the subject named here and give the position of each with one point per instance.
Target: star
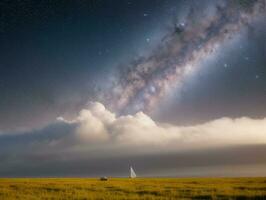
(182, 24)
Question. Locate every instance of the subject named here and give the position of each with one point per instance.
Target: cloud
(96, 124)
(97, 136)
(97, 128)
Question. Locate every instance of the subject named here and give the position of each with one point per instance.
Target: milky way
(146, 80)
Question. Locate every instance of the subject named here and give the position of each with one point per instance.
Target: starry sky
(87, 82)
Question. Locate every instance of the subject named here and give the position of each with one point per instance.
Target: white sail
(132, 173)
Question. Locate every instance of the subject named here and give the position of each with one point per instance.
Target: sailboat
(132, 173)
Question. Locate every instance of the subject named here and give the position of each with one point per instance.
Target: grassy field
(140, 188)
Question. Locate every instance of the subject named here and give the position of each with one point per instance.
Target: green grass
(139, 188)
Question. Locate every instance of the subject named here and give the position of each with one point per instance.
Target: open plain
(139, 188)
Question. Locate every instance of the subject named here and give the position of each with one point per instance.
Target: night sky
(53, 54)
(87, 83)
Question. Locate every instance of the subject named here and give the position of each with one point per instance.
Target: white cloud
(96, 125)
(97, 137)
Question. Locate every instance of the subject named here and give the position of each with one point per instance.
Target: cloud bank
(96, 124)
(97, 135)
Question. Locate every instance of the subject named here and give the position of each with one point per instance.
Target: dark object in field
(103, 178)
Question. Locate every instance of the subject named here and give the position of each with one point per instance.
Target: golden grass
(139, 188)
